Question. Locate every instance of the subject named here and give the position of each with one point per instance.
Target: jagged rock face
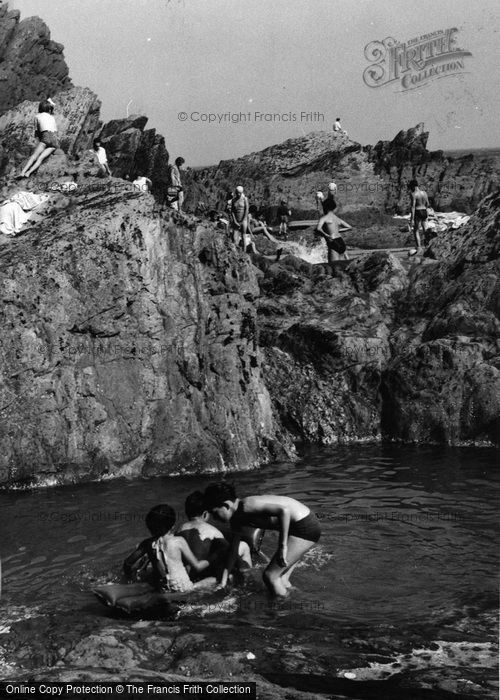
(32, 66)
(326, 343)
(133, 152)
(129, 345)
(369, 178)
(443, 381)
(451, 183)
(294, 170)
(77, 118)
(411, 357)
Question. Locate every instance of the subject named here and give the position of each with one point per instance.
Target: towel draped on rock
(15, 211)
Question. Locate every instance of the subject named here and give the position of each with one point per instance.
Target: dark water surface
(409, 535)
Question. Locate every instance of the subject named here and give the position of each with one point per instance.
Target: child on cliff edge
(297, 525)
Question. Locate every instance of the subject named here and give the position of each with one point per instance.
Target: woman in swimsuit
(297, 525)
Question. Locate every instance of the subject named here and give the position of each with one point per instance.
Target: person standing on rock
(419, 204)
(328, 228)
(102, 158)
(239, 217)
(175, 182)
(283, 214)
(46, 132)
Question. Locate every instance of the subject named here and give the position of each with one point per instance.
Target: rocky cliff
(32, 66)
(370, 178)
(135, 341)
(129, 345)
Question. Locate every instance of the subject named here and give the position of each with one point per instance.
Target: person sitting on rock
(419, 204)
(296, 524)
(338, 126)
(102, 158)
(205, 540)
(143, 184)
(46, 132)
(167, 554)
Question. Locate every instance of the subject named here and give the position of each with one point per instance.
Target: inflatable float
(133, 598)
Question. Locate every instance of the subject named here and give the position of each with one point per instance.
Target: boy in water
(205, 540)
(297, 525)
(167, 554)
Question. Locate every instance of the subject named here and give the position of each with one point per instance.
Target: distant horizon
(183, 63)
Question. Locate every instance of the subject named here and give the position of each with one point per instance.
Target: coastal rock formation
(129, 346)
(326, 341)
(77, 116)
(32, 66)
(370, 178)
(134, 152)
(382, 351)
(443, 381)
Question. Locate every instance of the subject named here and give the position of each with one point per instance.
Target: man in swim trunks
(239, 218)
(419, 205)
(328, 228)
(298, 529)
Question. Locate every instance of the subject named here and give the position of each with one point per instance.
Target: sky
(263, 71)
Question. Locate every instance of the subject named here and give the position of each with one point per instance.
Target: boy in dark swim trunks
(328, 228)
(298, 529)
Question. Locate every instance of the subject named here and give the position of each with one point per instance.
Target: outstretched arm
(231, 559)
(188, 556)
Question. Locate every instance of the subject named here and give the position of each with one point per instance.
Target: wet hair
(96, 141)
(45, 106)
(179, 161)
(329, 204)
(160, 519)
(195, 504)
(217, 494)
(412, 185)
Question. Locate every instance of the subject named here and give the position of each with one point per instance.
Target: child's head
(160, 520)
(412, 185)
(179, 162)
(46, 106)
(195, 505)
(97, 144)
(219, 500)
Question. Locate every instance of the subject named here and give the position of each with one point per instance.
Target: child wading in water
(297, 525)
(168, 554)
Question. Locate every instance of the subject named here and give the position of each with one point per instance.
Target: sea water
(409, 536)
